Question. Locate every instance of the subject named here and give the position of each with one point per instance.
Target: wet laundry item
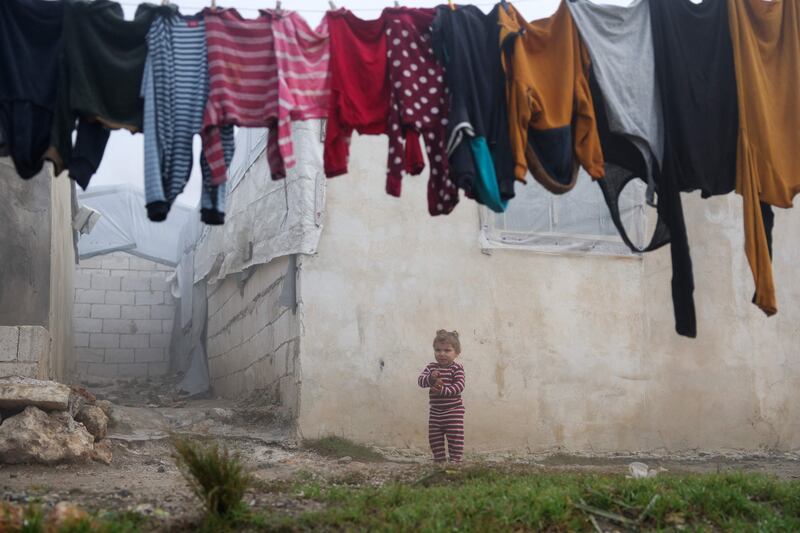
(695, 75)
(467, 43)
(30, 38)
(766, 44)
(620, 45)
(175, 89)
(243, 85)
(418, 110)
(627, 102)
(100, 75)
(302, 56)
(359, 99)
(550, 108)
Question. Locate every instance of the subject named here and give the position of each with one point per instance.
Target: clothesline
(366, 9)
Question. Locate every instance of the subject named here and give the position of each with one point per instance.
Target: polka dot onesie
(418, 108)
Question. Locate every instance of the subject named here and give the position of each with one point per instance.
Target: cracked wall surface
(562, 352)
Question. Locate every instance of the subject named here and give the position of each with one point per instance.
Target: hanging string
(366, 9)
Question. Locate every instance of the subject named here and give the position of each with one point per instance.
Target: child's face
(444, 353)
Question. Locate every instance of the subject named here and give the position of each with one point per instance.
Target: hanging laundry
(303, 56)
(467, 43)
(100, 76)
(359, 84)
(695, 76)
(553, 128)
(175, 90)
(243, 85)
(627, 103)
(418, 109)
(30, 37)
(766, 44)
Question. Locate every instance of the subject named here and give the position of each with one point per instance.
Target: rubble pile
(50, 423)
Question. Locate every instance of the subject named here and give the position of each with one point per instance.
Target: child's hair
(447, 337)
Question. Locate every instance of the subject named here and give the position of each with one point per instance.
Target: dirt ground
(144, 477)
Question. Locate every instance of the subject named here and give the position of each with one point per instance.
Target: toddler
(445, 378)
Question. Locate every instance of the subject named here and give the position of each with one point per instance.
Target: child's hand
(435, 374)
(438, 386)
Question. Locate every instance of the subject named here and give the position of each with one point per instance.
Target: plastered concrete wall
(123, 314)
(62, 362)
(253, 334)
(570, 353)
(25, 219)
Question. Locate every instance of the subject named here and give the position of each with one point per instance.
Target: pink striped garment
(304, 85)
(243, 83)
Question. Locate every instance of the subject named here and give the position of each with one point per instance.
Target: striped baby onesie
(304, 85)
(243, 84)
(446, 419)
(174, 89)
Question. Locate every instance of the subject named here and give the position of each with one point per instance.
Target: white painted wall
(570, 353)
(122, 317)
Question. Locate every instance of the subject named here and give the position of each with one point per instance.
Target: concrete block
(26, 370)
(122, 273)
(9, 342)
(34, 344)
(158, 284)
(166, 326)
(148, 326)
(160, 340)
(81, 310)
(119, 355)
(137, 263)
(89, 296)
(162, 312)
(132, 370)
(90, 355)
(119, 260)
(120, 297)
(105, 311)
(91, 262)
(87, 325)
(21, 393)
(150, 355)
(102, 370)
(134, 341)
(141, 312)
(82, 280)
(157, 369)
(135, 284)
(80, 340)
(149, 298)
(82, 369)
(106, 283)
(119, 326)
(104, 340)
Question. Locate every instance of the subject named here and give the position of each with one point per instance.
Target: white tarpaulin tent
(124, 226)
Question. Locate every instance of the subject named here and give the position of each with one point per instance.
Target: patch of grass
(339, 447)
(490, 500)
(33, 519)
(215, 475)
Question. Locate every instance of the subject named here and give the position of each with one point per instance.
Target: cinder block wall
(25, 351)
(253, 338)
(122, 317)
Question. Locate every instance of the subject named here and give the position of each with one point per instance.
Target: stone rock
(33, 436)
(95, 420)
(102, 451)
(106, 406)
(17, 393)
(64, 515)
(344, 460)
(84, 393)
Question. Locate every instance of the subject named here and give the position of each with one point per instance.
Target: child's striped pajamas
(446, 411)
(175, 89)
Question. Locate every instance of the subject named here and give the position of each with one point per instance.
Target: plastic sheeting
(124, 226)
(266, 219)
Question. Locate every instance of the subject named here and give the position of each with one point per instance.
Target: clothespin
(333, 6)
(396, 3)
(213, 4)
(278, 8)
(164, 2)
(504, 4)
(452, 5)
